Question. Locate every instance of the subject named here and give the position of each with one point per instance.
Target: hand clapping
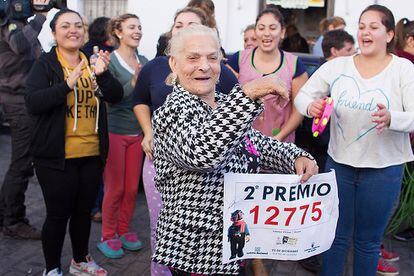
(102, 63)
(75, 75)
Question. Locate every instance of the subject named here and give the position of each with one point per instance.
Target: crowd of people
(92, 119)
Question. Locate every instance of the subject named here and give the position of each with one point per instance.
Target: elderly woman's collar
(218, 97)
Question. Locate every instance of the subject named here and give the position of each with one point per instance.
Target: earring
(174, 79)
(120, 36)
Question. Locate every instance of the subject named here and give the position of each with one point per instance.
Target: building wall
(232, 17)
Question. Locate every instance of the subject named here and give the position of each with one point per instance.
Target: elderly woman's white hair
(176, 43)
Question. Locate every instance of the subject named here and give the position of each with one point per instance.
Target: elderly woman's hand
(270, 84)
(306, 168)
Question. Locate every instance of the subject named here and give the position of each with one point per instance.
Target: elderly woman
(199, 135)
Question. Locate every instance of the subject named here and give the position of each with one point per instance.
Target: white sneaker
(89, 268)
(53, 272)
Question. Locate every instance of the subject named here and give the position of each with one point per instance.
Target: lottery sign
(273, 216)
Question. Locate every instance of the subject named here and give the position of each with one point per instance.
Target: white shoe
(53, 272)
(89, 268)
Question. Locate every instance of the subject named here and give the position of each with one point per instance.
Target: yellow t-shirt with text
(82, 141)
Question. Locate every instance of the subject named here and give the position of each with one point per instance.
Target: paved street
(18, 257)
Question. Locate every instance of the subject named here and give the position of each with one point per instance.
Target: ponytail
(403, 30)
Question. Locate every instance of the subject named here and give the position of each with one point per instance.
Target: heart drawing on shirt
(350, 98)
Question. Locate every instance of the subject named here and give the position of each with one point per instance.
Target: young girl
(70, 139)
(404, 39)
(268, 59)
(404, 47)
(369, 141)
(125, 157)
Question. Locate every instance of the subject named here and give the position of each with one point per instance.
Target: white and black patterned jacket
(194, 146)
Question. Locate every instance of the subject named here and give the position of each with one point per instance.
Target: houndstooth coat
(194, 145)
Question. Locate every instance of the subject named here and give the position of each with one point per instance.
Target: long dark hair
(273, 11)
(403, 30)
(60, 13)
(387, 19)
(98, 30)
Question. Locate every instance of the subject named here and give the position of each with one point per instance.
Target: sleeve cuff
(401, 121)
(302, 103)
(103, 77)
(237, 88)
(38, 21)
(303, 154)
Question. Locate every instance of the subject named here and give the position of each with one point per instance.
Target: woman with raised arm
(199, 135)
(150, 93)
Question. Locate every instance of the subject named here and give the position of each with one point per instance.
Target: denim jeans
(366, 199)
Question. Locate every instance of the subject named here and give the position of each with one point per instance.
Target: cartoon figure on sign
(238, 234)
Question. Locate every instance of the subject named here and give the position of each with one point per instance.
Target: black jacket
(19, 49)
(46, 92)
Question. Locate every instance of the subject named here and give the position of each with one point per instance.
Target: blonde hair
(198, 12)
(249, 27)
(207, 6)
(335, 21)
(116, 24)
(176, 43)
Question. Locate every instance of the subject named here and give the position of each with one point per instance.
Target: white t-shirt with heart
(353, 139)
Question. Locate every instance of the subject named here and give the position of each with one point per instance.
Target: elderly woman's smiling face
(197, 65)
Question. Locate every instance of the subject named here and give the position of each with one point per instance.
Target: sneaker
(389, 256)
(53, 272)
(22, 230)
(89, 268)
(130, 241)
(111, 248)
(385, 268)
(406, 235)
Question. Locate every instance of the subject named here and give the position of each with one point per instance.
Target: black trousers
(69, 196)
(12, 208)
(237, 245)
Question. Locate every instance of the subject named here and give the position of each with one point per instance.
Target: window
(109, 8)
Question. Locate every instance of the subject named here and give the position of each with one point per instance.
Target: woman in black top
(70, 140)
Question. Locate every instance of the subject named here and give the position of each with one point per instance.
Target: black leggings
(69, 194)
